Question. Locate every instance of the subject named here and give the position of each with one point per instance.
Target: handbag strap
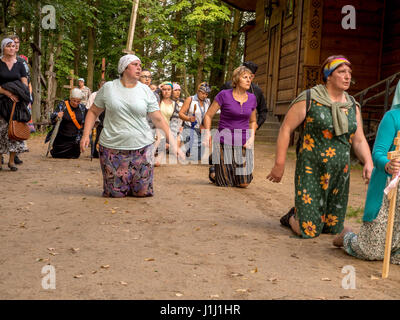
(12, 112)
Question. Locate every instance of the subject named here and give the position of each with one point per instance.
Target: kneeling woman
(72, 114)
(369, 243)
(126, 141)
(233, 149)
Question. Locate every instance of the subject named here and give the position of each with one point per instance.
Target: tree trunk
(201, 48)
(36, 86)
(237, 21)
(77, 51)
(90, 57)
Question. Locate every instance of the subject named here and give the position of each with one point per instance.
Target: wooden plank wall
(257, 48)
(391, 43)
(362, 45)
(287, 65)
(257, 51)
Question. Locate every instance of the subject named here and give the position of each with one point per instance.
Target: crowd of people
(138, 123)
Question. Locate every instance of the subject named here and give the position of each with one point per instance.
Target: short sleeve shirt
(16, 73)
(234, 117)
(125, 124)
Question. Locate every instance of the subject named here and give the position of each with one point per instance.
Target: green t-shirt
(125, 126)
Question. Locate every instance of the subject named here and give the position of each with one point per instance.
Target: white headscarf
(5, 42)
(125, 61)
(76, 94)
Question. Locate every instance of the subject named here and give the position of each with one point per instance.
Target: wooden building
(290, 39)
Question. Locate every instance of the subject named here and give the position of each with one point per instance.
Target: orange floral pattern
(308, 142)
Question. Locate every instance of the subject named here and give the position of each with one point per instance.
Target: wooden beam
(132, 24)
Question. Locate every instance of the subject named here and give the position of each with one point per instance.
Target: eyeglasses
(146, 77)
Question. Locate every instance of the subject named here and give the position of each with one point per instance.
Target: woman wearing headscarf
(232, 154)
(332, 125)
(167, 107)
(192, 113)
(369, 243)
(126, 142)
(72, 114)
(176, 122)
(11, 71)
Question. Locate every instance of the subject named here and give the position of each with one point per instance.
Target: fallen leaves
(254, 271)
(123, 283)
(78, 276)
(326, 279)
(149, 259)
(242, 290)
(178, 294)
(106, 266)
(374, 278)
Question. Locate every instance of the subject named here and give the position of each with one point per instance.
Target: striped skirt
(233, 165)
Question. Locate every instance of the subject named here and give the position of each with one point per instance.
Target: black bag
(22, 113)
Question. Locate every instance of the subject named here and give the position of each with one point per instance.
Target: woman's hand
(393, 167)
(276, 173)
(249, 143)
(192, 118)
(12, 96)
(60, 114)
(367, 171)
(84, 143)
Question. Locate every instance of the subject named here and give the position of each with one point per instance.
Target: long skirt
(233, 165)
(7, 145)
(127, 172)
(65, 147)
(369, 243)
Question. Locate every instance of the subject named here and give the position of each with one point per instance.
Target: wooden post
(392, 210)
(131, 33)
(103, 68)
(50, 76)
(71, 81)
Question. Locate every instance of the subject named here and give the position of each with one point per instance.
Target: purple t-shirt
(234, 118)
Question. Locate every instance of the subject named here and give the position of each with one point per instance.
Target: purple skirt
(127, 172)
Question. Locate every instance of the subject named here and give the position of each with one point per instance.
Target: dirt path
(191, 240)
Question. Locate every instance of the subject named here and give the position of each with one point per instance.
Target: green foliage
(354, 212)
(166, 36)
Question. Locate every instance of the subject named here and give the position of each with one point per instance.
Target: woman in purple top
(233, 142)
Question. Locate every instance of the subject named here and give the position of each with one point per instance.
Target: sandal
(211, 174)
(285, 219)
(12, 168)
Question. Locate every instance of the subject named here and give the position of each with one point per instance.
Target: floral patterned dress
(323, 173)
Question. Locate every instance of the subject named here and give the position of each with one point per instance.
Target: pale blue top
(387, 131)
(125, 124)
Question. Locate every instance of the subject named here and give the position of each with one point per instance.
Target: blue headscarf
(396, 98)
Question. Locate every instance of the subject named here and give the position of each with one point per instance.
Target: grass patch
(354, 212)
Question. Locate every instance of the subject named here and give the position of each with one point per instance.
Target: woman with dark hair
(233, 149)
(11, 70)
(332, 125)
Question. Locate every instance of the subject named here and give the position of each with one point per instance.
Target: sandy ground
(192, 240)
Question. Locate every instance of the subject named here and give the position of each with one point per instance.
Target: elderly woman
(192, 113)
(332, 125)
(72, 115)
(369, 243)
(236, 128)
(126, 142)
(11, 70)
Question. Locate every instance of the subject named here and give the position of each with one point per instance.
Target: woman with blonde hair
(332, 125)
(233, 148)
